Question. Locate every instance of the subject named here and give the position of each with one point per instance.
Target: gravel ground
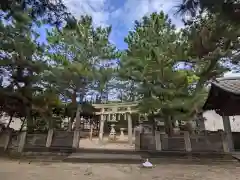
(14, 170)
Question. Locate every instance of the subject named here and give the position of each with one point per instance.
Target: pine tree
(21, 66)
(77, 53)
(154, 51)
(227, 9)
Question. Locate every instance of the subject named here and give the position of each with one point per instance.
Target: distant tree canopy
(228, 9)
(53, 12)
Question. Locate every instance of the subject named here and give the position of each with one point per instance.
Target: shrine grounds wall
(12, 141)
(205, 142)
(16, 142)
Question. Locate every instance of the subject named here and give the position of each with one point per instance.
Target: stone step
(137, 159)
(107, 151)
(104, 158)
(49, 149)
(236, 155)
(42, 158)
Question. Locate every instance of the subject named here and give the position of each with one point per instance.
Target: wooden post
(228, 131)
(49, 138)
(22, 140)
(158, 141)
(187, 141)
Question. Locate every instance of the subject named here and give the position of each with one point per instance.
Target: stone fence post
(22, 141)
(158, 141)
(225, 143)
(76, 138)
(137, 139)
(49, 137)
(188, 145)
(164, 144)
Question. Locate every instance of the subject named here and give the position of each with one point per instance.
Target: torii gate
(116, 109)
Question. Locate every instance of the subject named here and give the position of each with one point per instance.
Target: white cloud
(95, 8)
(104, 13)
(136, 9)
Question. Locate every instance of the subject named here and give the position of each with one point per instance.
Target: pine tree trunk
(22, 125)
(78, 119)
(73, 111)
(152, 120)
(30, 124)
(169, 126)
(9, 122)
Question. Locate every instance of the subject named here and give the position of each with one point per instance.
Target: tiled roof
(229, 84)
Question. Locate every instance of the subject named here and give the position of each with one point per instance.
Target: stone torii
(106, 110)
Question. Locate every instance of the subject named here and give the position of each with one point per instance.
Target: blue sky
(120, 14)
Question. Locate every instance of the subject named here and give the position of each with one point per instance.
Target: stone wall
(62, 139)
(209, 142)
(147, 141)
(236, 140)
(175, 143)
(212, 142)
(14, 141)
(22, 141)
(3, 139)
(36, 140)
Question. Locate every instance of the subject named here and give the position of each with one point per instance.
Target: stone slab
(236, 155)
(104, 158)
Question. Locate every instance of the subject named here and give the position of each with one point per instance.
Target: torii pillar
(130, 135)
(101, 129)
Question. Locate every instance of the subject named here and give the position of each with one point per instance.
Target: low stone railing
(17, 141)
(206, 142)
(213, 142)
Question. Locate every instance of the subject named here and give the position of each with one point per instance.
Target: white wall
(214, 121)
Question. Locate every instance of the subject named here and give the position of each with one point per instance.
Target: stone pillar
(187, 141)
(130, 136)
(202, 125)
(224, 141)
(91, 130)
(49, 138)
(158, 141)
(122, 137)
(228, 131)
(76, 138)
(101, 129)
(22, 140)
(164, 142)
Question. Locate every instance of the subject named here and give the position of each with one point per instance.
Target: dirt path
(10, 170)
